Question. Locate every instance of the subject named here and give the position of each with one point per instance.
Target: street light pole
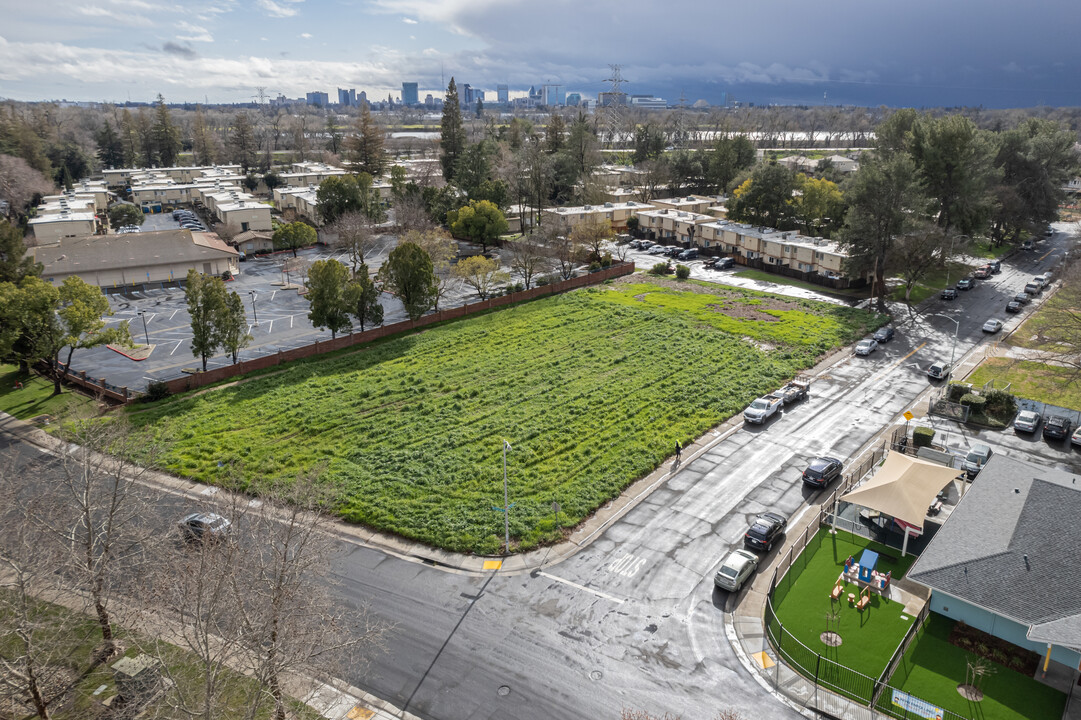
(146, 334)
(253, 312)
(506, 499)
(953, 348)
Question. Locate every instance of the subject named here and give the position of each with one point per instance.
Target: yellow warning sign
(359, 712)
(764, 661)
(909, 415)
(493, 564)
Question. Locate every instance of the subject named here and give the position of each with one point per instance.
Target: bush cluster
(922, 436)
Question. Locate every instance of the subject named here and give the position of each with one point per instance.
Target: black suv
(1056, 427)
(949, 294)
(764, 532)
(822, 471)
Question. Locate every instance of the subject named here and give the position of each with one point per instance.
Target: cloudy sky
(896, 52)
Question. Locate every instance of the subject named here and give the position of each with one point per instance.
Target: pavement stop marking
(493, 564)
(764, 660)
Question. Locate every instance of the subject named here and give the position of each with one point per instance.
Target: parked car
(866, 346)
(1057, 427)
(938, 370)
(996, 266)
(673, 251)
(764, 531)
(966, 284)
(1028, 245)
(983, 272)
(1033, 288)
(883, 334)
(1022, 297)
(734, 571)
(198, 527)
(656, 249)
(1040, 280)
(725, 263)
(1046, 278)
(688, 254)
(1049, 231)
(1013, 306)
(822, 471)
(975, 460)
(1026, 421)
(1075, 439)
(992, 326)
(948, 294)
(762, 409)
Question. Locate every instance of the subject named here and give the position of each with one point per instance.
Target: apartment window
(787, 249)
(819, 256)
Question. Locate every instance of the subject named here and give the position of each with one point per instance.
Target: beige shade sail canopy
(903, 488)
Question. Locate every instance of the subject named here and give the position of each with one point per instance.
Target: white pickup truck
(762, 409)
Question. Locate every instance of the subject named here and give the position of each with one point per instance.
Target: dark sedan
(883, 334)
(948, 294)
(1056, 427)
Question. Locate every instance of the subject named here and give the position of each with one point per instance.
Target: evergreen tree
(202, 144)
(110, 147)
(554, 134)
(362, 299)
(366, 147)
(329, 308)
(165, 135)
(452, 134)
(242, 142)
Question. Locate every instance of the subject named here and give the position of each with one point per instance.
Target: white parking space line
(598, 593)
(290, 322)
(178, 344)
(174, 313)
(270, 327)
(272, 294)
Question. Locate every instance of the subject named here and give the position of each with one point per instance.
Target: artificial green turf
(933, 668)
(36, 396)
(802, 600)
(590, 388)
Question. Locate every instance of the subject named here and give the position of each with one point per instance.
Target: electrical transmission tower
(613, 107)
(261, 95)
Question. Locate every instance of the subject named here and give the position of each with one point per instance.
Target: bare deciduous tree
(98, 506)
(592, 236)
(355, 235)
(293, 625)
(19, 183)
(34, 662)
(527, 259)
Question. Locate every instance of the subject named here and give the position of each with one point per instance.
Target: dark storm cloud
(990, 52)
(179, 50)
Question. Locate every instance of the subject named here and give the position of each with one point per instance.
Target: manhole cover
(503, 690)
(830, 638)
(596, 675)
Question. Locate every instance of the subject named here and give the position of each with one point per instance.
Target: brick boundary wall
(197, 380)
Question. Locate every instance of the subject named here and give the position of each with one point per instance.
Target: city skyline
(778, 51)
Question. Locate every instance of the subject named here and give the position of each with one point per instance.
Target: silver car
(866, 346)
(734, 571)
(1026, 421)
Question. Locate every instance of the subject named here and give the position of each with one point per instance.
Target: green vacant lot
(1050, 384)
(802, 601)
(933, 668)
(591, 389)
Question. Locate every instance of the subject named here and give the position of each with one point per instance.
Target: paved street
(633, 620)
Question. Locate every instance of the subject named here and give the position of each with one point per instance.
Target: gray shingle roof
(1011, 546)
(133, 250)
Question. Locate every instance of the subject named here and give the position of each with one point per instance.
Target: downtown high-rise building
(347, 98)
(409, 94)
(502, 93)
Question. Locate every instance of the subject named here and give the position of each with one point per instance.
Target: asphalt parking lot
(277, 317)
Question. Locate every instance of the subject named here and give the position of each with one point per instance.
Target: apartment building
(135, 258)
(672, 226)
(616, 214)
(53, 227)
(690, 203)
(121, 177)
(772, 249)
(295, 203)
(245, 214)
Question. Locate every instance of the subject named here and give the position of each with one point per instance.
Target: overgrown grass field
(591, 389)
(1051, 384)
